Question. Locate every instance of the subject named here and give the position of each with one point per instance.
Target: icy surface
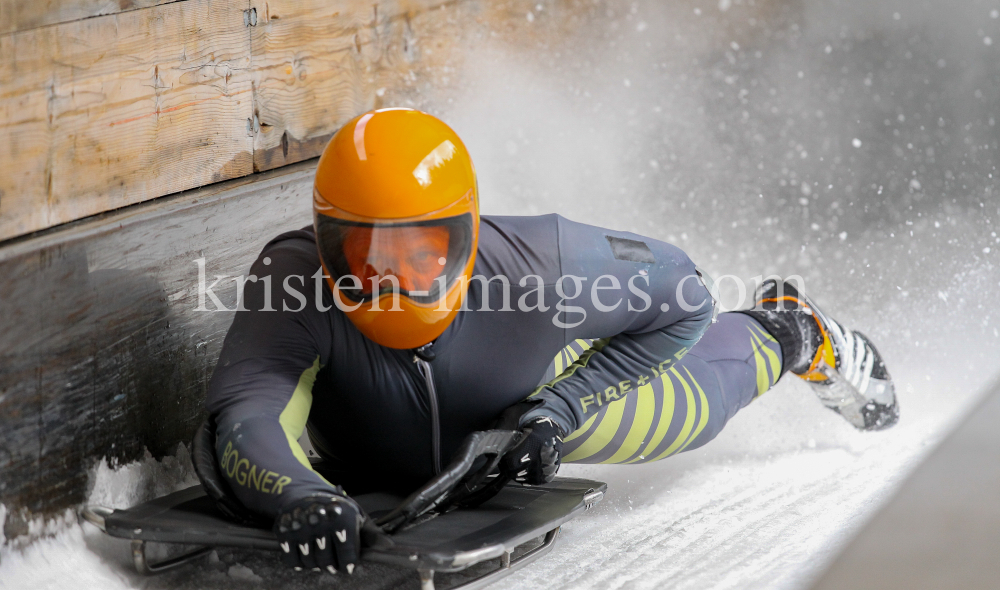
(849, 142)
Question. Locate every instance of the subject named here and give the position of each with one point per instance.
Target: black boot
(782, 312)
(843, 367)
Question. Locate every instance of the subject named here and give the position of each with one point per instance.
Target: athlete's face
(415, 255)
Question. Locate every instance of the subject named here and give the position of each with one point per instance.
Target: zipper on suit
(421, 357)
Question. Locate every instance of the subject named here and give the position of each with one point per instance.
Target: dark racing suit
(622, 315)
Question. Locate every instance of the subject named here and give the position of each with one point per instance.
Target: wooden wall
(108, 103)
(108, 111)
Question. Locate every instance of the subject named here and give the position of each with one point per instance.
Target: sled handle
(96, 516)
(461, 479)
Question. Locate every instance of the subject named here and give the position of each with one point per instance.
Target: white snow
(243, 573)
(66, 552)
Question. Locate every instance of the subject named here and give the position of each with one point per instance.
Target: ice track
(765, 506)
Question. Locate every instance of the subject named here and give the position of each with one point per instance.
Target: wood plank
(103, 351)
(110, 111)
(22, 15)
(318, 63)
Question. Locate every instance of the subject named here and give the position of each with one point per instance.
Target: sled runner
(462, 517)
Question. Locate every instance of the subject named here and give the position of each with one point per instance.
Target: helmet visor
(419, 259)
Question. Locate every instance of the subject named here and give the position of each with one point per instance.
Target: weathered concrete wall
(103, 352)
(942, 528)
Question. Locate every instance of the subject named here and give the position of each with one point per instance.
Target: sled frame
(96, 515)
(493, 506)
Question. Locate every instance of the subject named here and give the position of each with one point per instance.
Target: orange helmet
(396, 212)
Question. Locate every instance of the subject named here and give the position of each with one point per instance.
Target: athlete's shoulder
(517, 246)
(533, 231)
(291, 251)
(580, 241)
(298, 239)
(551, 245)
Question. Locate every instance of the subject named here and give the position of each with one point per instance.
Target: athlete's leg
(688, 404)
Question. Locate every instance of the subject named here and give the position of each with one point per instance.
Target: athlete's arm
(644, 302)
(261, 391)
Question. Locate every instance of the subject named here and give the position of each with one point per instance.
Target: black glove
(321, 532)
(535, 459)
